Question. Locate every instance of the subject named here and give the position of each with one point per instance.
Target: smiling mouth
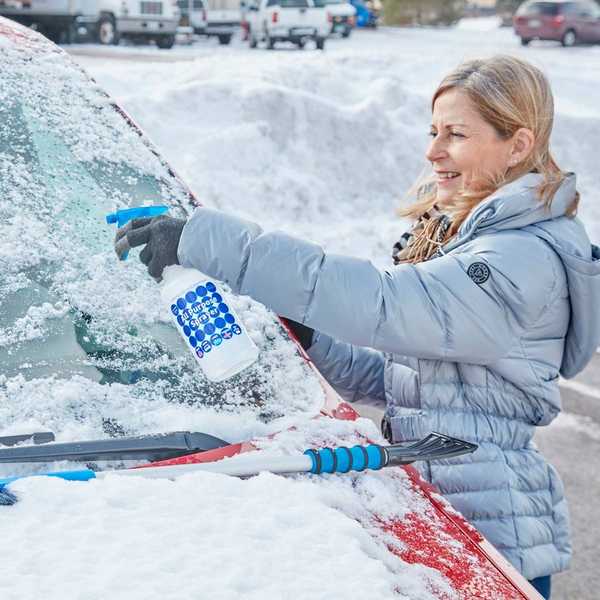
(445, 175)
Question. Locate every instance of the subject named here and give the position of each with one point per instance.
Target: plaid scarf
(425, 240)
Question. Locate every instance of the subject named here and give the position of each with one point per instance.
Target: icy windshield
(69, 310)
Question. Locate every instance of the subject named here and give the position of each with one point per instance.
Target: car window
(588, 9)
(575, 9)
(69, 310)
(289, 3)
(570, 8)
(539, 8)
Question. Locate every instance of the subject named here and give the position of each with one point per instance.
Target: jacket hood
(516, 206)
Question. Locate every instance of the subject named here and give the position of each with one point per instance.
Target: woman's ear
(521, 146)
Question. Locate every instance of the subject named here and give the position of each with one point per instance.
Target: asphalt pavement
(572, 445)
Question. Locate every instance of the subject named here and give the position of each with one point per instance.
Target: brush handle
(83, 475)
(343, 459)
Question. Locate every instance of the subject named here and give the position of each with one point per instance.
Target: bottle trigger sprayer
(201, 312)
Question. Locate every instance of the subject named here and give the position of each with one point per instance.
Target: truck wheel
(224, 39)
(107, 31)
(270, 42)
(301, 43)
(569, 38)
(525, 41)
(165, 41)
(320, 43)
(253, 42)
(346, 32)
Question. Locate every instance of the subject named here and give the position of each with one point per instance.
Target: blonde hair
(509, 94)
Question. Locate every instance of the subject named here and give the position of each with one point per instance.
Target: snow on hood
(516, 206)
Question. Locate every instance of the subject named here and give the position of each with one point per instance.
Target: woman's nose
(436, 150)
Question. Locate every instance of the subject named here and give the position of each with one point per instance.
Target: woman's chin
(444, 196)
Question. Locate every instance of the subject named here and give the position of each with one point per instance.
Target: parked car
(295, 21)
(104, 21)
(212, 18)
(567, 22)
(342, 16)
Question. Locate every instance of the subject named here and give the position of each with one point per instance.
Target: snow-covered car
(294, 21)
(104, 21)
(87, 349)
(342, 16)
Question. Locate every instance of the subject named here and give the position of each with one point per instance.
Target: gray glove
(161, 236)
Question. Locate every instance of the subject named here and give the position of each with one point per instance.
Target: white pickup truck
(104, 21)
(293, 21)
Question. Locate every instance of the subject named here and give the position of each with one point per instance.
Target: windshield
(71, 314)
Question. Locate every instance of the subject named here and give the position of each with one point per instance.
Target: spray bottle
(200, 311)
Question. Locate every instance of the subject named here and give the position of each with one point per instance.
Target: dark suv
(566, 22)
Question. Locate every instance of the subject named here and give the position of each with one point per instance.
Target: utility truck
(104, 21)
(293, 21)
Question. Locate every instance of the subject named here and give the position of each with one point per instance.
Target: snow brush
(435, 446)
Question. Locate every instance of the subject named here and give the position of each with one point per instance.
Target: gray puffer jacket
(470, 344)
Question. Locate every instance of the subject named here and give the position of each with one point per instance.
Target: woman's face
(464, 147)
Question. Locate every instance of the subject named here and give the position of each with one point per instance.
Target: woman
(493, 295)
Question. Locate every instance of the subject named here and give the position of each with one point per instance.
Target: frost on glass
(69, 310)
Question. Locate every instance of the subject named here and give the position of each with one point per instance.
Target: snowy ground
(322, 145)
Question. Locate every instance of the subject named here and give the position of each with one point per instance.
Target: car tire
(301, 44)
(569, 38)
(224, 39)
(252, 42)
(270, 42)
(320, 43)
(525, 41)
(165, 42)
(346, 32)
(107, 31)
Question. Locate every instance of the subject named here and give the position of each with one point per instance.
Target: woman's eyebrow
(432, 126)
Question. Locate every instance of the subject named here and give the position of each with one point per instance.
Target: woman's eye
(432, 134)
(456, 134)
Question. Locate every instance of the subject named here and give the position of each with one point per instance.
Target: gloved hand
(161, 236)
(302, 332)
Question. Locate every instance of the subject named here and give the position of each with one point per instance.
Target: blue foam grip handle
(122, 217)
(83, 475)
(342, 460)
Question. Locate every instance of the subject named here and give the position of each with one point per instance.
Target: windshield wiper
(144, 447)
